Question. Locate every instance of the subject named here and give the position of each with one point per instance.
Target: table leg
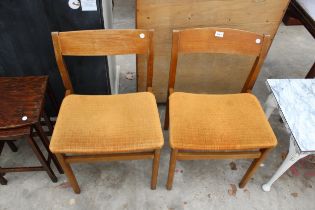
(3, 181)
(270, 105)
(48, 123)
(1, 146)
(292, 157)
(12, 146)
(311, 73)
(45, 142)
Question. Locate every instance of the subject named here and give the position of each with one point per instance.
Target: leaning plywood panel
(203, 73)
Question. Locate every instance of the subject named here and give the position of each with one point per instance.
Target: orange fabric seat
(218, 122)
(90, 124)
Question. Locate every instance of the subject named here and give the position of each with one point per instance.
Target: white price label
(88, 5)
(219, 34)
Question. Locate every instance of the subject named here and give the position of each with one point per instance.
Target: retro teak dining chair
(106, 127)
(223, 126)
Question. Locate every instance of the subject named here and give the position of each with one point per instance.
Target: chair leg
(253, 167)
(1, 146)
(3, 181)
(50, 93)
(155, 168)
(167, 116)
(41, 158)
(12, 146)
(171, 170)
(45, 141)
(70, 175)
(48, 123)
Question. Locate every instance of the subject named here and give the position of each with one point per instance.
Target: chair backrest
(220, 40)
(100, 43)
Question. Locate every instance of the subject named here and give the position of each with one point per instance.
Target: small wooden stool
(21, 109)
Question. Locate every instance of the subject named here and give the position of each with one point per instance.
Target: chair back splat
(101, 43)
(223, 41)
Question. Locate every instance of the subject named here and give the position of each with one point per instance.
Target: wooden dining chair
(106, 127)
(218, 126)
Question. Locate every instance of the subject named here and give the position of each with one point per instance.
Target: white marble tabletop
(296, 101)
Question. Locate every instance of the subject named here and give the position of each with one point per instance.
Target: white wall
(108, 24)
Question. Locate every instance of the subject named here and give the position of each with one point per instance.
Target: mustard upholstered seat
(218, 122)
(89, 124)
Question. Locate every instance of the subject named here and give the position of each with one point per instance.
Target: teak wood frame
(101, 43)
(225, 41)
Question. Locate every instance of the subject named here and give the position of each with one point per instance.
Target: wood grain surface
(210, 73)
(21, 96)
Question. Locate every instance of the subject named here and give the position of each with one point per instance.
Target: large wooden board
(203, 73)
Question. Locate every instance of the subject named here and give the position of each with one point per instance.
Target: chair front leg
(171, 169)
(155, 168)
(68, 171)
(254, 166)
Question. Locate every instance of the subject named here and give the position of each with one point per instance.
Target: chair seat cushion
(95, 124)
(218, 122)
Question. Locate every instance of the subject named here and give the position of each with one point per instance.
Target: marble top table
(295, 100)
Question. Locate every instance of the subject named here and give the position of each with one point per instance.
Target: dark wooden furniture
(218, 126)
(105, 128)
(21, 110)
(13, 148)
(302, 12)
(26, 45)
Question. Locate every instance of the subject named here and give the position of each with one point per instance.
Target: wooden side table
(302, 12)
(21, 109)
